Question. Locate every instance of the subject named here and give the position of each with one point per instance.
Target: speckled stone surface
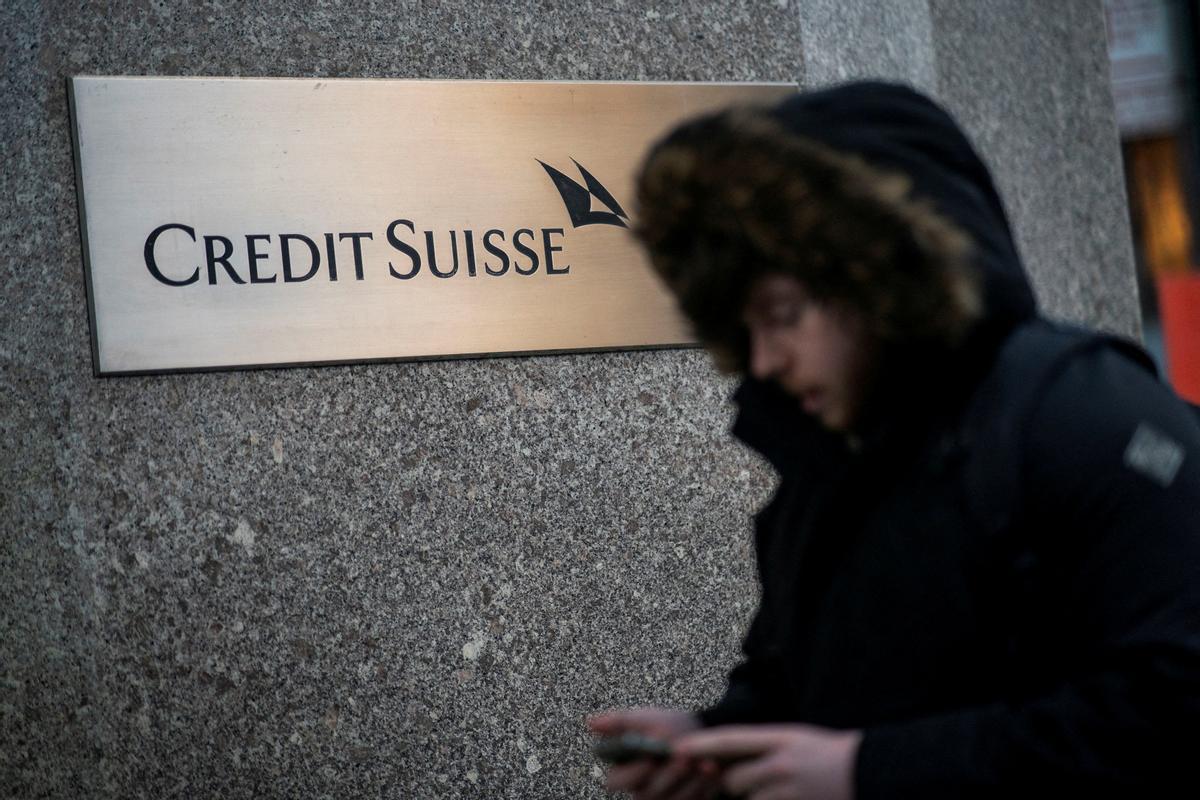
(413, 580)
(880, 39)
(1030, 83)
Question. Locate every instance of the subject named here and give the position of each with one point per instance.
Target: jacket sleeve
(1112, 486)
(753, 686)
(749, 690)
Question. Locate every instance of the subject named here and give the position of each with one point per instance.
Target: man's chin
(831, 419)
(835, 426)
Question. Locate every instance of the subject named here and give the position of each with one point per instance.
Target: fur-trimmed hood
(895, 129)
(870, 195)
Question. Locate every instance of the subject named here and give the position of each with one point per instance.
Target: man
(981, 569)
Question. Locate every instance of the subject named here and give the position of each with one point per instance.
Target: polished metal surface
(211, 208)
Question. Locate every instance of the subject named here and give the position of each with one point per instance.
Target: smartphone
(630, 747)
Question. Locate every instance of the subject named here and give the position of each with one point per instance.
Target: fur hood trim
(734, 196)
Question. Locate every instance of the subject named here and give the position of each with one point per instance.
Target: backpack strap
(994, 435)
(996, 423)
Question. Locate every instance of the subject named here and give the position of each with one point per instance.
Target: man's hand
(778, 762)
(674, 779)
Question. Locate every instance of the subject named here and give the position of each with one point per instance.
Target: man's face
(816, 353)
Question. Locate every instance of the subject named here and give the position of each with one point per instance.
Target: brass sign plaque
(255, 222)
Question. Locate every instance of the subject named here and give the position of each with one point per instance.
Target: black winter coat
(1058, 650)
(999, 583)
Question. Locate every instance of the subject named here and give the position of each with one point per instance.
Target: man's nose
(764, 358)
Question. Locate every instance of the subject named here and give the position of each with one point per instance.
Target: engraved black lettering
(213, 259)
(405, 248)
(152, 265)
(356, 243)
(496, 251)
(331, 256)
(469, 239)
(429, 250)
(527, 250)
(253, 256)
(551, 249)
(284, 240)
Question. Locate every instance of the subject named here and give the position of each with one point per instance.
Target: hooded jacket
(999, 582)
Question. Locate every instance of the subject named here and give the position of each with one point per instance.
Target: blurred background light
(1153, 60)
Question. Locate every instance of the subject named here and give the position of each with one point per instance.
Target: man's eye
(784, 315)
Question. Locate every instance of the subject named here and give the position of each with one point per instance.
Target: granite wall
(413, 580)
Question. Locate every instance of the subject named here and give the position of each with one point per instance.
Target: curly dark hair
(730, 197)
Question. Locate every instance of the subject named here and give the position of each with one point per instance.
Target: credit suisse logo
(401, 251)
